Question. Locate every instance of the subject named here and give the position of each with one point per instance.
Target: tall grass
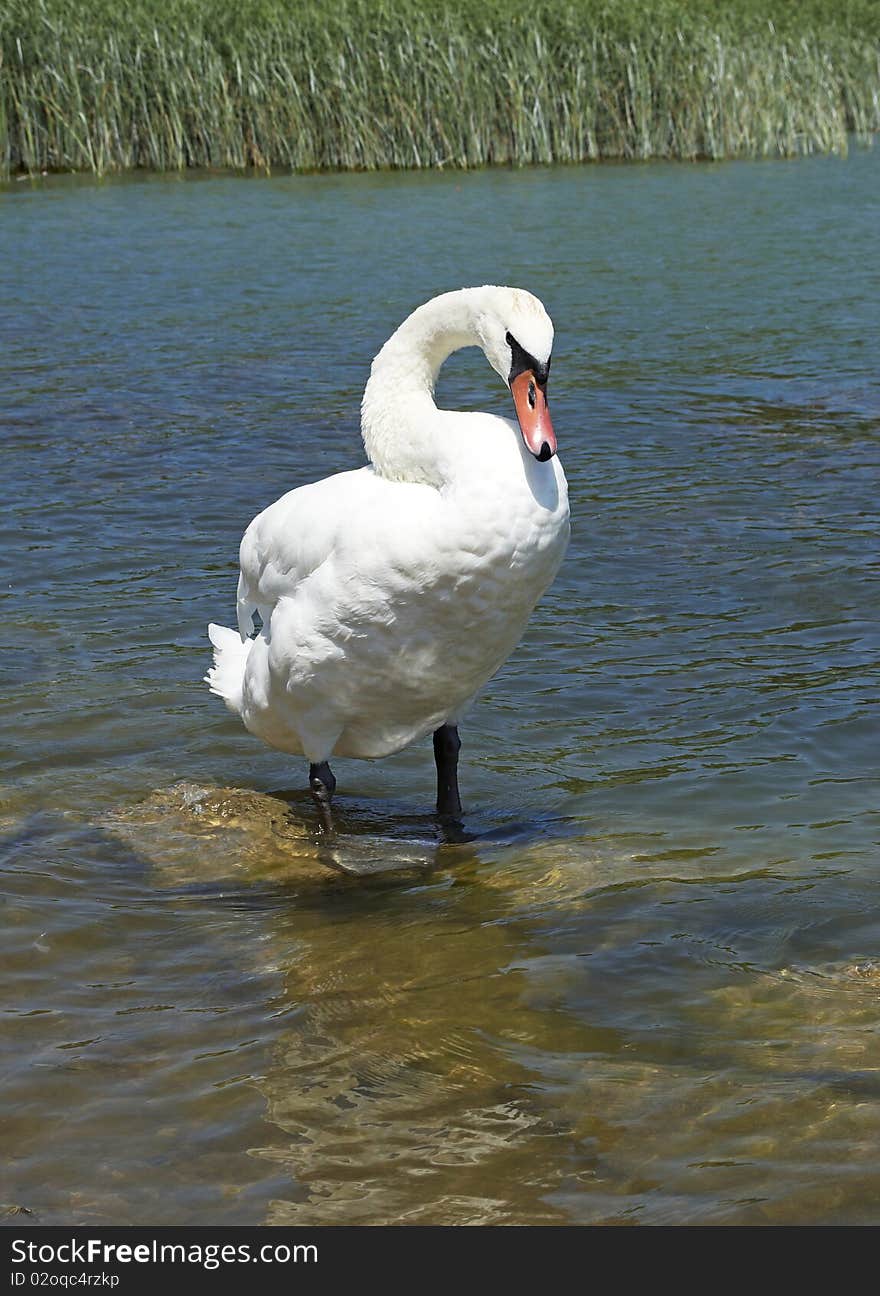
(103, 85)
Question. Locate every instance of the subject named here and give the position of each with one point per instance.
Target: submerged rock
(196, 834)
(204, 835)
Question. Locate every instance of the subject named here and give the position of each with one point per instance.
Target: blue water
(647, 989)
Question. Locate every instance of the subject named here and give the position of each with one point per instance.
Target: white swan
(391, 594)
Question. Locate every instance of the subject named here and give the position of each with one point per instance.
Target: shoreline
(258, 174)
(171, 85)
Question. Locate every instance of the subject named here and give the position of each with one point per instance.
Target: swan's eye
(531, 395)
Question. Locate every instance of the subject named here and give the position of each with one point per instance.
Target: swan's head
(516, 334)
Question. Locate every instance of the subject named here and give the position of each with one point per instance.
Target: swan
(390, 594)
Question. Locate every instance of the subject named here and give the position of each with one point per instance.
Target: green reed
(167, 84)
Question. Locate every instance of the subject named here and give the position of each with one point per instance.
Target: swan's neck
(406, 437)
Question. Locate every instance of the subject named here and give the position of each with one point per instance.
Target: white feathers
(226, 676)
(398, 411)
(391, 594)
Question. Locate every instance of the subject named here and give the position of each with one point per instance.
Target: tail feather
(226, 676)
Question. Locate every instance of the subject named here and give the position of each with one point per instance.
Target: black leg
(447, 745)
(322, 785)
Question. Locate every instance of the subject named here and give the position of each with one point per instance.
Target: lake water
(648, 990)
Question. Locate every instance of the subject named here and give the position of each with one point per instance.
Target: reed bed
(166, 84)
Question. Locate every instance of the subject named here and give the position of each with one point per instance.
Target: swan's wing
(339, 519)
(286, 543)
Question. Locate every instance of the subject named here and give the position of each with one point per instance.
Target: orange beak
(530, 402)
